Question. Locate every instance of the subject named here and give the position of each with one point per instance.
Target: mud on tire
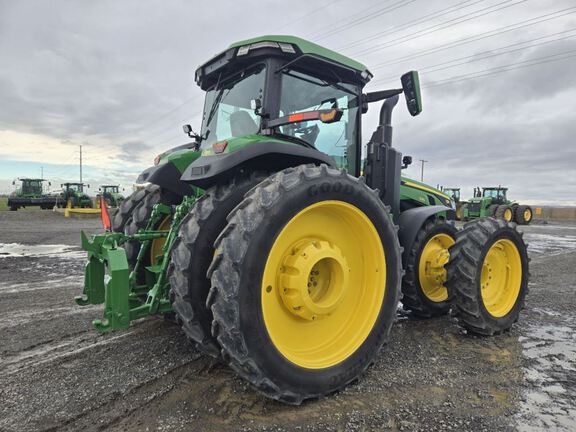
(237, 274)
(193, 252)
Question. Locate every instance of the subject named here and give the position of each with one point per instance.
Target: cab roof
(292, 49)
(306, 47)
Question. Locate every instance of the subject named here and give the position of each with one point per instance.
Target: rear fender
(410, 222)
(167, 176)
(270, 156)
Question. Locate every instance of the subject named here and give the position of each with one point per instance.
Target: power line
(399, 4)
(483, 55)
(442, 26)
(504, 68)
(481, 36)
(408, 24)
(312, 12)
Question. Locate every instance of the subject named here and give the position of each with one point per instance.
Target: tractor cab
(73, 187)
(30, 187)
(453, 193)
(109, 189)
(496, 194)
(283, 90)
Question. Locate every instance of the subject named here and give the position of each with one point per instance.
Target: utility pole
(422, 171)
(41, 172)
(80, 163)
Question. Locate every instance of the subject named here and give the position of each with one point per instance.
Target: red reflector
(292, 118)
(104, 214)
(219, 147)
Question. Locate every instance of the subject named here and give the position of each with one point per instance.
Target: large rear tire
(492, 210)
(305, 283)
(488, 276)
(193, 252)
(423, 287)
(504, 212)
(523, 215)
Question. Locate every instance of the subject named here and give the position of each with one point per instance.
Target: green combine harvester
(112, 195)
(30, 194)
(492, 202)
(272, 250)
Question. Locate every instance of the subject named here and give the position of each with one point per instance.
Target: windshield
(31, 186)
(110, 189)
(494, 193)
(301, 92)
(455, 194)
(227, 112)
(74, 187)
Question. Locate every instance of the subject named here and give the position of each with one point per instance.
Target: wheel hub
(314, 279)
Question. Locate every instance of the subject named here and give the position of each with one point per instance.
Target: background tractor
(454, 194)
(111, 194)
(30, 193)
(492, 202)
(274, 253)
(73, 196)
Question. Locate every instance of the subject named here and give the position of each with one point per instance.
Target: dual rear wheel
(304, 272)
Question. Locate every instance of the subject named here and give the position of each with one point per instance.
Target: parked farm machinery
(30, 193)
(274, 253)
(492, 202)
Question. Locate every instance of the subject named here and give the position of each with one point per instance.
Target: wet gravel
(57, 374)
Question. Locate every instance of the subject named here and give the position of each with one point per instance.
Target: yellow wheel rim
(323, 284)
(527, 215)
(431, 271)
(501, 278)
(508, 215)
(157, 244)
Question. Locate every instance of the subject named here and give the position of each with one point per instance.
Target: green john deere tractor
(73, 195)
(454, 194)
(270, 248)
(30, 193)
(111, 195)
(492, 202)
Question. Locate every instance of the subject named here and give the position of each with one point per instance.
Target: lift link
(108, 279)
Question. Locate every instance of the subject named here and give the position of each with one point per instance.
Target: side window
(300, 93)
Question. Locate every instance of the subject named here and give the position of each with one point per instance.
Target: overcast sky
(498, 77)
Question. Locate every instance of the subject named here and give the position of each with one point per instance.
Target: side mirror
(187, 129)
(255, 104)
(13, 183)
(411, 87)
(406, 160)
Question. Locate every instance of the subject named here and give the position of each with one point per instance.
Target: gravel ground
(56, 373)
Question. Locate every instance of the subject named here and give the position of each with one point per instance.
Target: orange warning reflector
(219, 147)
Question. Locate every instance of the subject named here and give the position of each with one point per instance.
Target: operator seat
(241, 123)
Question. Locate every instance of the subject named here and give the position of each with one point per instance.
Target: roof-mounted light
(245, 49)
(366, 75)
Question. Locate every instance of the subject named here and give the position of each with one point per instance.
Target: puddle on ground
(550, 244)
(550, 373)
(18, 250)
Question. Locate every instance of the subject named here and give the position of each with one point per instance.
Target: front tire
(488, 276)
(504, 212)
(305, 283)
(423, 287)
(523, 215)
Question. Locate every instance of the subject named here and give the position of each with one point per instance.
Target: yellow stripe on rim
(431, 271)
(501, 278)
(323, 284)
(157, 244)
